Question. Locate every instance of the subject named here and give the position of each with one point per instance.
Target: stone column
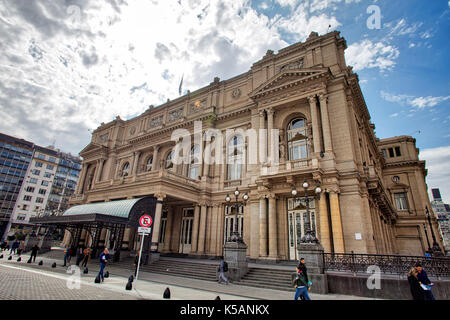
(270, 113)
(315, 123)
(99, 172)
(202, 228)
(325, 239)
(155, 164)
(336, 222)
(214, 222)
(220, 221)
(169, 223)
(273, 236)
(126, 238)
(195, 228)
(136, 162)
(254, 229)
(82, 179)
(325, 122)
(262, 138)
(157, 222)
(262, 227)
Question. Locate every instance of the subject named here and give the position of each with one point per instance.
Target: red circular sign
(145, 221)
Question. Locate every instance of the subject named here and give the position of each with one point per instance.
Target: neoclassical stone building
(373, 195)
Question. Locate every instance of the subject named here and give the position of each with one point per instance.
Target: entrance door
(186, 231)
(296, 223)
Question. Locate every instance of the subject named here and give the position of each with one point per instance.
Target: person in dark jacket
(14, 247)
(34, 252)
(104, 257)
(301, 286)
(423, 279)
(302, 267)
(414, 285)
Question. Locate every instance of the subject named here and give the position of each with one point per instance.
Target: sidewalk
(152, 285)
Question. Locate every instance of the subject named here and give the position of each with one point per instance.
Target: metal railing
(388, 264)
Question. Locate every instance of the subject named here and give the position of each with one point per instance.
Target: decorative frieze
(175, 115)
(197, 106)
(155, 122)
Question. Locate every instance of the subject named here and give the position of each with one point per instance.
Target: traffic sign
(145, 221)
(144, 230)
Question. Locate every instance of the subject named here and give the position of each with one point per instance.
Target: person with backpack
(301, 285)
(222, 269)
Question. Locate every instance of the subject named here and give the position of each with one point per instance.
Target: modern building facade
(15, 158)
(297, 115)
(442, 211)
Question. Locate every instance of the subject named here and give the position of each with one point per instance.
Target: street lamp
(235, 236)
(435, 250)
(309, 236)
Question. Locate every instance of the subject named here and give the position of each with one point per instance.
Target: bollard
(10, 258)
(54, 265)
(97, 279)
(1, 257)
(106, 274)
(20, 259)
(85, 271)
(41, 263)
(166, 294)
(217, 298)
(131, 278)
(29, 260)
(129, 285)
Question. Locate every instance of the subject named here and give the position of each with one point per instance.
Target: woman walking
(414, 285)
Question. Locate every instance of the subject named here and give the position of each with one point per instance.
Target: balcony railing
(388, 264)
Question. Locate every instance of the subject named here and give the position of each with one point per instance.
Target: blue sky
(68, 65)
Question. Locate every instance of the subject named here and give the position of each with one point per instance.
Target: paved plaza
(22, 281)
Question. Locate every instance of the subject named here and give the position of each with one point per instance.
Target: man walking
(66, 255)
(80, 256)
(14, 247)
(34, 252)
(86, 254)
(301, 285)
(104, 257)
(222, 269)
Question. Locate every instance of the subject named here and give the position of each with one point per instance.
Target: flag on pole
(181, 85)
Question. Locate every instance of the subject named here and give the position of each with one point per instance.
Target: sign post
(145, 222)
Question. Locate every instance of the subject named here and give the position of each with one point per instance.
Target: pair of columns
(268, 235)
(267, 153)
(325, 121)
(337, 234)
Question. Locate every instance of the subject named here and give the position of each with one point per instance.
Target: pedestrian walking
(223, 267)
(4, 245)
(14, 247)
(34, 252)
(80, 255)
(301, 286)
(86, 256)
(302, 267)
(66, 255)
(423, 280)
(20, 248)
(416, 290)
(104, 257)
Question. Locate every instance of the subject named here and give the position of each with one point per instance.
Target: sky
(68, 65)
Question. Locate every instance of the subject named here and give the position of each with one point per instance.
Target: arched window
(235, 154)
(149, 164)
(297, 138)
(169, 163)
(194, 163)
(126, 169)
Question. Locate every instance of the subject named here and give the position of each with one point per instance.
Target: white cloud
(416, 102)
(438, 164)
(367, 54)
(394, 115)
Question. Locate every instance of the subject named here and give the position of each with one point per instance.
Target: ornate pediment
(92, 147)
(287, 78)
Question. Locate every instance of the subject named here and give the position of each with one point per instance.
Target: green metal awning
(119, 208)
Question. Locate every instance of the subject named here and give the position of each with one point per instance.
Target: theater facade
(373, 194)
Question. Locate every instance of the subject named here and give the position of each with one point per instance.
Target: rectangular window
(47, 175)
(42, 191)
(51, 159)
(384, 153)
(33, 180)
(400, 201)
(391, 152)
(30, 189)
(27, 198)
(39, 164)
(25, 207)
(45, 183)
(50, 167)
(397, 151)
(36, 172)
(39, 200)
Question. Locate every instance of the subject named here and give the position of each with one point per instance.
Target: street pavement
(22, 281)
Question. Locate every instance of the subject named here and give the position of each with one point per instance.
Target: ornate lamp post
(309, 236)
(235, 236)
(435, 250)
